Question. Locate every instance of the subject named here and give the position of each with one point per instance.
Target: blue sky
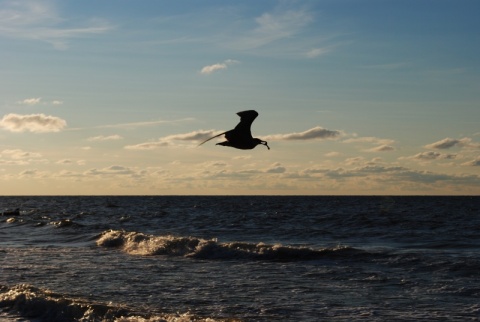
(113, 97)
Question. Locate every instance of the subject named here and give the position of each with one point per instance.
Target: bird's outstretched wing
(216, 136)
(246, 120)
(241, 132)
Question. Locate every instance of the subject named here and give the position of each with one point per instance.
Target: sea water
(244, 258)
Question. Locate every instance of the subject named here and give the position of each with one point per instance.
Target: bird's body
(241, 136)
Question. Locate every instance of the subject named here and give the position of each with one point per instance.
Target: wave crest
(43, 305)
(136, 243)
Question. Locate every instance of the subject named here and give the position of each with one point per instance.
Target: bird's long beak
(266, 144)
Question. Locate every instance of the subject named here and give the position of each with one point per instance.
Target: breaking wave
(43, 305)
(136, 243)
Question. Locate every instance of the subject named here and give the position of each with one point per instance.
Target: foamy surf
(30, 302)
(408, 258)
(136, 243)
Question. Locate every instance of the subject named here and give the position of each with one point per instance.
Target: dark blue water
(239, 258)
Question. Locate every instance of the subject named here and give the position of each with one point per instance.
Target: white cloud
(147, 145)
(317, 132)
(472, 163)
(369, 139)
(200, 135)
(115, 171)
(20, 154)
(20, 157)
(250, 173)
(13, 162)
(443, 144)
(355, 161)
(276, 168)
(30, 101)
(383, 145)
(231, 61)
(218, 66)
(385, 174)
(432, 155)
(64, 161)
(286, 30)
(448, 143)
(29, 173)
(38, 100)
(212, 68)
(38, 123)
(169, 140)
(315, 52)
(242, 157)
(274, 26)
(332, 154)
(39, 20)
(216, 164)
(382, 148)
(105, 138)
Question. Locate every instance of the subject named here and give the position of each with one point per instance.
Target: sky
(355, 97)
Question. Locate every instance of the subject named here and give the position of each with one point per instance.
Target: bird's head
(258, 141)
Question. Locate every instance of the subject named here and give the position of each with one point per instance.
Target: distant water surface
(261, 258)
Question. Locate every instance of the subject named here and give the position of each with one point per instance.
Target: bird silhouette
(241, 136)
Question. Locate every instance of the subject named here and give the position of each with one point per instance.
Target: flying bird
(241, 136)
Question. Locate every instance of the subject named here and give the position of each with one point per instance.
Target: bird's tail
(216, 136)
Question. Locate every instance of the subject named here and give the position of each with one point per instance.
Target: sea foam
(136, 243)
(43, 305)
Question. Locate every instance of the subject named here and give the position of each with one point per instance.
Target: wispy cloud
(272, 26)
(382, 145)
(402, 175)
(195, 136)
(64, 161)
(192, 136)
(20, 154)
(38, 123)
(315, 52)
(449, 143)
(381, 148)
(212, 68)
(20, 157)
(201, 135)
(37, 101)
(332, 154)
(431, 155)
(317, 132)
(473, 163)
(209, 69)
(276, 168)
(30, 101)
(369, 139)
(105, 138)
(112, 171)
(142, 124)
(39, 20)
(148, 145)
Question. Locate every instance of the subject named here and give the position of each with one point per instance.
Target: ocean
(240, 258)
